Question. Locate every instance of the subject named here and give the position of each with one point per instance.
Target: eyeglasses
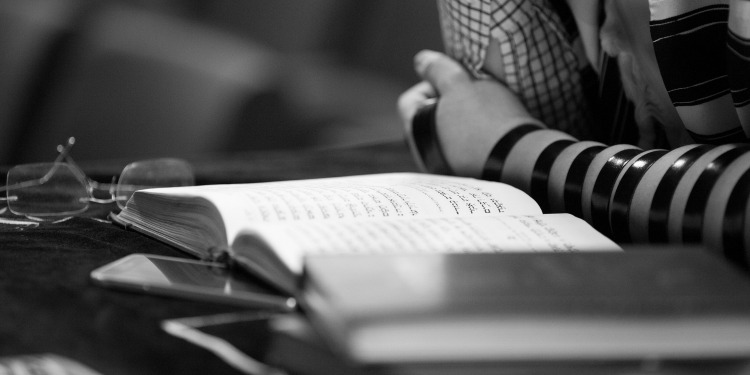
(60, 188)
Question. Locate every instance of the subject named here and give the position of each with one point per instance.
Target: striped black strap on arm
(424, 133)
(493, 168)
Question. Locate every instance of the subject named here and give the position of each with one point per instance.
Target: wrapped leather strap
(424, 133)
(493, 168)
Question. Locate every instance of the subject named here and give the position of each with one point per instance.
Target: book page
(555, 232)
(394, 195)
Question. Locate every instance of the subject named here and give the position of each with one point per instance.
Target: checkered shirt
(541, 59)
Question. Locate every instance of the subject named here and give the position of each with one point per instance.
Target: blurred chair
(31, 34)
(140, 84)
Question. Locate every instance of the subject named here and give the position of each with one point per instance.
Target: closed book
(659, 305)
(296, 348)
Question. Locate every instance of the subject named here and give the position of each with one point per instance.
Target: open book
(268, 228)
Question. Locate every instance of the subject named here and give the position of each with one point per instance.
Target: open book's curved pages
(268, 228)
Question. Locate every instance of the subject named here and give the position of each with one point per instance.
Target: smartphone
(192, 279)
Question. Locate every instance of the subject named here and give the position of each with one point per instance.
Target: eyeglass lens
(165, 172)
(62, 192)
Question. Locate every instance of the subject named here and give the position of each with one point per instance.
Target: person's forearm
(693, 194)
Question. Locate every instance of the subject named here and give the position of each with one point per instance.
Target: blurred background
(146, 78)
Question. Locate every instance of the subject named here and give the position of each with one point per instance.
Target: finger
(440, 70)
(414, 98)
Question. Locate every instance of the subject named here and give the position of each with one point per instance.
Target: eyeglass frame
(90, 185)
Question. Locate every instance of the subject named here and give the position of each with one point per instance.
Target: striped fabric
(704, 64)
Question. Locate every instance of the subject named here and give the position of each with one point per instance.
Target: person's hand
(472, 115)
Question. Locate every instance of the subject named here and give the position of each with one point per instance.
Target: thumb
(440, 70)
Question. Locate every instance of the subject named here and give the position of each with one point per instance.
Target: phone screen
(186, 278)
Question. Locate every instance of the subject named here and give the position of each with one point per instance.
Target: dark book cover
(670, 304)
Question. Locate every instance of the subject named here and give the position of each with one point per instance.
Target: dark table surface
(49, 305)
